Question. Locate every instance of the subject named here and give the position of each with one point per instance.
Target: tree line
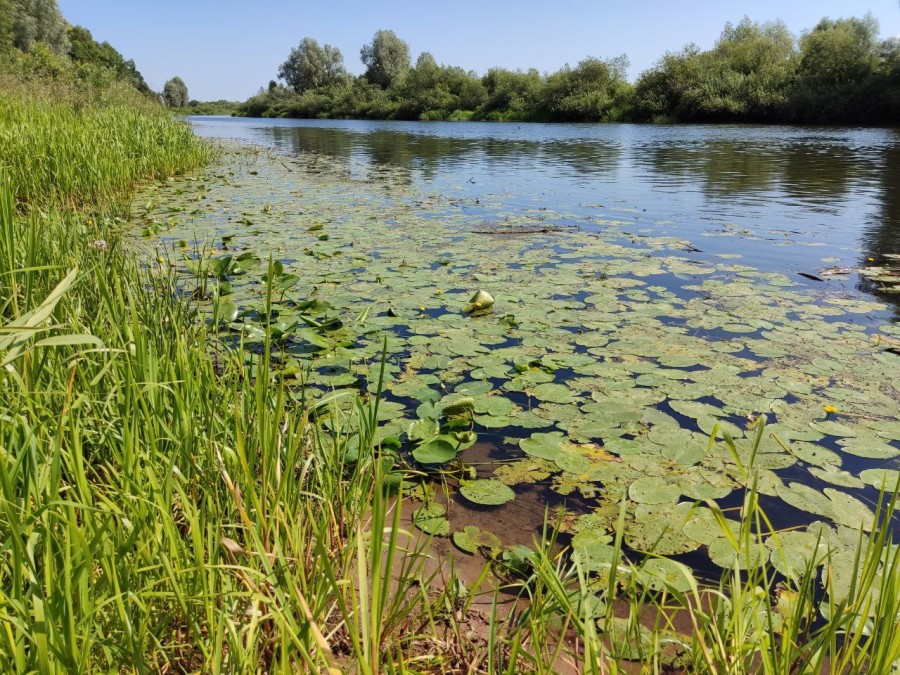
(37, 41)
(839, 72)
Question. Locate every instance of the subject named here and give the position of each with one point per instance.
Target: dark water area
(784, 198)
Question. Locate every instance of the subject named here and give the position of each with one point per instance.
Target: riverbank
(168, 504)
(177, 500)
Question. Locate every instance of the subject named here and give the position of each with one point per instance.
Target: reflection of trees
(333, 142)
(813, 172)
(882, 232)
(672, 160)
(722, 167)
(424, 153)
(736, 167)
(429, 154)
(817, 172)
(584, 157)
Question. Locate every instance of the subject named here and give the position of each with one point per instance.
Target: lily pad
(661, 573)
(815, 454)
(745, 555)
(543, 445)
(869, 447)
(487, 492)
(431, 520)
(832, 428)
(881, 478)
(552, 393)
(572, 462)
(435, 451)
(495, 406)
(792, 552)
(653, 490)
(423, 429)
(831, 474)
(471, 539)
(849, 511)
(659, 529)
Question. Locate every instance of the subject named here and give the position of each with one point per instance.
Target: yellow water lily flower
(829, 409)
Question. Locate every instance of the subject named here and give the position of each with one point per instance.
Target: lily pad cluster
(601, 363)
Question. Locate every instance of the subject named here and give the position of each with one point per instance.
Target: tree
(386, 59)
(839, 52)
(752, 47)
(837, 76)
(175, 93)
(589, 92)
(310, 66)
(510, 95)
(85, 50)
(38, 21)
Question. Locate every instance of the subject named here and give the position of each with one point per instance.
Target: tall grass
(88, 152)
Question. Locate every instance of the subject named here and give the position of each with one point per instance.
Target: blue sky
(230, 48)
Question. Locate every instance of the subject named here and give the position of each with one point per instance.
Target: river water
(653, 283)
(797, 194)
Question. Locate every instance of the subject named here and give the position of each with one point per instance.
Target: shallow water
(646, 290)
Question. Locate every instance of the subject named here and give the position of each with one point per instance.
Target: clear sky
(230, 48)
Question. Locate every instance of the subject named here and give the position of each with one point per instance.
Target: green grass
(162, 510)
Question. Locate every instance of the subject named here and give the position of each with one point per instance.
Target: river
(653, 285)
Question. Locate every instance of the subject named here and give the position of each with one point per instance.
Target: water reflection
(837, 192)
(430, 154)
(882, 232)
(814, 174)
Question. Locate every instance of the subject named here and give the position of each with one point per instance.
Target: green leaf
(878, 478)
(543, 445)
(430, 519)
(552, 393)
(653, 490)
(472, 538)
(435, 451)
(488, 492)
(423, 429)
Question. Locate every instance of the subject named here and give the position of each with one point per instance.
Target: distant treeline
(837, 73)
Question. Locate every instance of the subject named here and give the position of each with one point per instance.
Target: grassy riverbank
(163, 510)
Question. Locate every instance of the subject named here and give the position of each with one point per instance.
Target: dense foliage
(32, 21)
(311, 66)
(839, 72)
(175, 93)
(220, 107)
(386, 59)
(36, 43)
(83, 49)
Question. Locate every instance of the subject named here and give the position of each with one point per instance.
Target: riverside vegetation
(174, 498)
(838, 72)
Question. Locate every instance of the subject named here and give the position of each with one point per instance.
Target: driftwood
(504, 230)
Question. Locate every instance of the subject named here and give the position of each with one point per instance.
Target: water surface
(649, 285)
(798, 194)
